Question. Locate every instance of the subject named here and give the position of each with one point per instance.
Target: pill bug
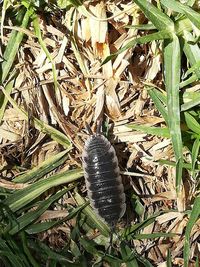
(103, 181)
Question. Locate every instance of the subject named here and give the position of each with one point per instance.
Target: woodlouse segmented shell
(103, 180)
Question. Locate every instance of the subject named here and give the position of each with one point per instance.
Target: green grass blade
(98, 223)
(32, 215)
(127, 256)
(44, 226)
(195, 100)
(190, 80)
(190, 2)
(191, 14)
(12, 252)
(192, 52)
(154, 235)
(27, 251)
(182, 26)
(185, 165)
(192, 123)
(13, 45)
(128, 232)
(172, 79)
(37, 228)
(88, 246)
(43, 168)
(169, 258)
(142, 27)
(197, 262)
(193, 69)
(134, 255)
(22, 197)
(158, 131)
(165, 34)
(54, 133)
(193, 218)
(174, 5)
(48, 254)
(158, 99)
(195, 154)
(160, 20)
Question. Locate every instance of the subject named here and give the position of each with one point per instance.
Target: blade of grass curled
(184, 25)
(21, 198)
(43, 168)
(158, 131)
(164, 34)
(194, 68)
(192, 123)
(159, 19)
(192, 220)
(191, 14)
(192, 103)
(172, 67)
(187, 166)
(190, 80)
(13, 44)
(54, 133)
(40, 125)
(192, 52)
(173, 5)
(38, 33)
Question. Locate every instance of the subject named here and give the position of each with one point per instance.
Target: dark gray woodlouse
(103, 180)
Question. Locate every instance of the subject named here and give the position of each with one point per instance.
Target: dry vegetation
(73, 42)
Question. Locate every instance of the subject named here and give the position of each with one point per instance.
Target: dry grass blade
(54, 133)
(68, 63)
(20, 198)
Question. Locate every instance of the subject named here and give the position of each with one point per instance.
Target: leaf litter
(86, 92)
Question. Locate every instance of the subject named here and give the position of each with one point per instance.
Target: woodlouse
(103, 180)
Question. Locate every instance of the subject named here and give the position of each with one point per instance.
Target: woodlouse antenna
(99, 125)
(88, 128)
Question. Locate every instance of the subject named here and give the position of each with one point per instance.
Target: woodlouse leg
(111, 244)
(88, 128)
